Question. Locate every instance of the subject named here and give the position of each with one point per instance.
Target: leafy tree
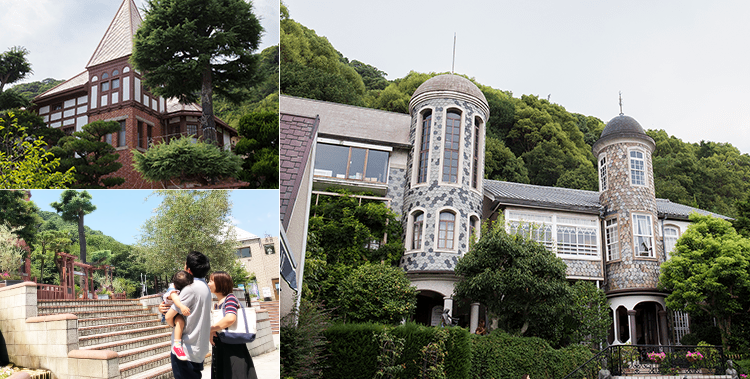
(521, 282)
(49, 243)
(17, 211)
(501, 164)
(376, 293)
(372, 78)
(260, 147)
(73, 206)
(186, 47)
(13, 66)
(92, 157)
(32, 124)
(587, 315)
(709, 272)
(185, 161)
(395, 97)
(10, 99)
(24, 163)
(188, 221)
(742, 222)
(344, 235)
(30, 90)
(11, 252)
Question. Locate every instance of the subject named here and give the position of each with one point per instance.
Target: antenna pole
(620, 103)
(453, 66)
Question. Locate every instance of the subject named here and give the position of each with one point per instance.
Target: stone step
(144, 351)
(119, 341)
(105, 313)
(57, 309)
(117, 327)
(161, 372)
(144, 364)
(86, 322)
(76, 302)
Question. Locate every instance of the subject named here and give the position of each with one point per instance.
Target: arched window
(424, 147)
(446, 230)
(637, 168)
(452, 146)
(126, 69)
(417, 228)
(105, 75)
(474, 227)
(115, 72)
(475, 160)
(671, 233)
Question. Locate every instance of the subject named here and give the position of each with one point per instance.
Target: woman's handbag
(242, 331)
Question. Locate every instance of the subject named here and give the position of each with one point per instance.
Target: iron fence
(654, 359)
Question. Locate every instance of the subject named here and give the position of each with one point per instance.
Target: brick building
(428, 167)
(110, 89)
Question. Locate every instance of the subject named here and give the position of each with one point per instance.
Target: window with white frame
(417, 228)
(611, 234)
(475, 160)
(637, 168)
(451, 147)
(446, 230)
(424, 147)
(351, 163)
(474, 227)
(671, 234)
(643, 236)
(561, 234)
(603, 174)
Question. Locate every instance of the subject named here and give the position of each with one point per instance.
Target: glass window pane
(331, 160)
(357, 163)
(377, 166)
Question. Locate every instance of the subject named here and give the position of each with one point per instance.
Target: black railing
(654, 359)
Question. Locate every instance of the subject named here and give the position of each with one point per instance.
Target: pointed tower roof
(118, 40)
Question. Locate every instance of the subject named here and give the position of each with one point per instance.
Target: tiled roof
(174, 105)
(565, 199)
(118, 40)
(75, 81)
(297, 137)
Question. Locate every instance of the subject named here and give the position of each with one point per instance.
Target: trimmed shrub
(500, 355)
(352, 350)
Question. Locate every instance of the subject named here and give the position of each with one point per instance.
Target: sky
(682, 66)
(61, 35)
(120, 213)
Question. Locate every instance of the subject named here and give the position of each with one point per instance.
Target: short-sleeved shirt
(196, 336)
(166, 297)
(230, 304)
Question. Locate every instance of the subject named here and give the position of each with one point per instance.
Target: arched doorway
(429, 304)
(647, 328)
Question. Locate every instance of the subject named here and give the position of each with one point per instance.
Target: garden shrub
(500, 355)
(302, 341)
(353, 350)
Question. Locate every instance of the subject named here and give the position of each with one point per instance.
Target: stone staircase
(126, 327)
(272, 307)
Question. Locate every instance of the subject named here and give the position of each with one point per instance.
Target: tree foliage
(11, 252)
(30, 90)
(190, 47)
(24, 162)
(13, 65)
(376, 293)
(188, 221)
(521, 282)
(260, 147)
(709, 272)
(92, 157)
(17, 211)
(183, 160)
(73, 206)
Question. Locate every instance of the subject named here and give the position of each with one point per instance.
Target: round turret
(449, 85)
(620, 128)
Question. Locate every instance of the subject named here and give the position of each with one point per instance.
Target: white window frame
(410, 229)
(456, 229)
(612, 239)
(603, 173)
(543, 227)
(477, 227)
(668, 252)
(417, 156)
(642, 170)
(477, 169)
(459, 162)
(637, 251)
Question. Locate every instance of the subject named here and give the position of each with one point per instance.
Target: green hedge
(352, 351)
(500, 355)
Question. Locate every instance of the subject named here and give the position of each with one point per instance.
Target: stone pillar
(474, 318)
(631, 322)
(663, 335)
(616, 326)
(448, 304)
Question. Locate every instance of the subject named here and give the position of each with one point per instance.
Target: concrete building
(109, 89)
(428, 167)
(259, 256)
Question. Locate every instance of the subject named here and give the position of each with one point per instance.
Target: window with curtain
(643, 236)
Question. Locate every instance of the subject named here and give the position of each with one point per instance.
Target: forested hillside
(529, 139)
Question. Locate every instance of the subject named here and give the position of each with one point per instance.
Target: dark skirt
(231, 361)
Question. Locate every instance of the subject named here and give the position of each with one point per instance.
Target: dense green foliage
(519, 281)
(30, 90)
(376, 293)
(183, 161)
(74, 206)
(259, 147)
(17, 212)
(500, 355)
(92, 157)
(343, 235)
(353, 349)
(191, 48)
(709, 272)
(13, 65)
(302, 335)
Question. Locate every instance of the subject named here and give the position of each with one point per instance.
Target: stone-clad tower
(633, 249)
(443, 196)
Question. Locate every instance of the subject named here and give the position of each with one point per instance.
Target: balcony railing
(655, 360)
